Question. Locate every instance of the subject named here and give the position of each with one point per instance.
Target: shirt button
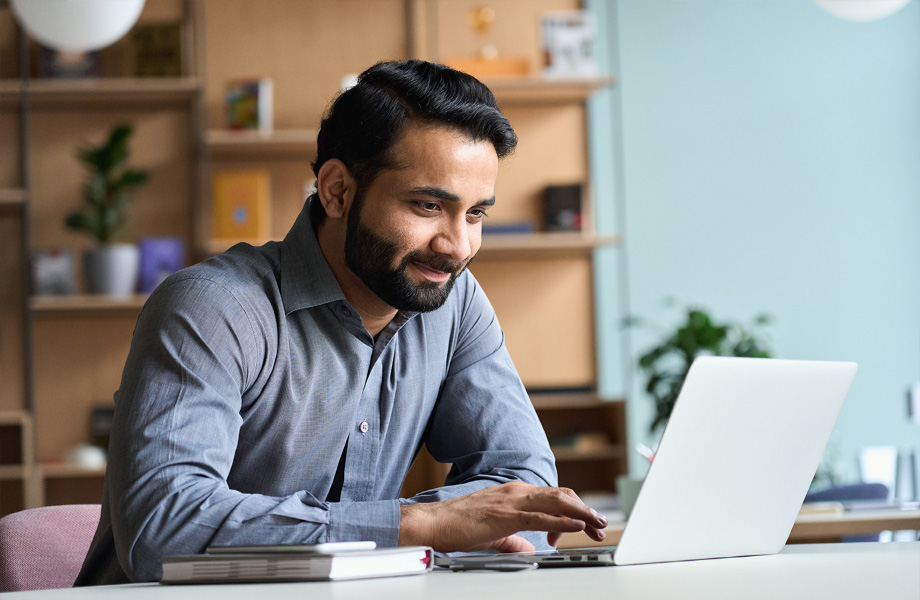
(363, 427)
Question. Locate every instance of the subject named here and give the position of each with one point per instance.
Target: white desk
(813, 571)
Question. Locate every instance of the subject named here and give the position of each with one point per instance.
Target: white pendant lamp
(77, 25)
(862, 10)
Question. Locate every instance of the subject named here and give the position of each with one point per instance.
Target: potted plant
(111, 268)
(666, 364)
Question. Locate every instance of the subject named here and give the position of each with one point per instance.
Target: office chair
(44, 548)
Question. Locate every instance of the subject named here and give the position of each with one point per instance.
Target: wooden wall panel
(546, 311)
(79, 358)
(552, 150)
(515, 31)
(160, 144)
(304, 46)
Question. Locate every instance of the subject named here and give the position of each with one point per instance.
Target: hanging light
(862, 10)
(77, 25)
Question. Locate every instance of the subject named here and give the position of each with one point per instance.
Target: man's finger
(512, 543)
(563, 502)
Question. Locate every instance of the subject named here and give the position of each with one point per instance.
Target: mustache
(436, 262)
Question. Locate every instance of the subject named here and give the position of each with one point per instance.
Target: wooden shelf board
(64, 470)
(578, 242)
(86, 302)
(8, 472)
(14, 417)
(12, 200)
(114, 89)
(539, 90)
(293, 141)
(573, 455)
(571, 401)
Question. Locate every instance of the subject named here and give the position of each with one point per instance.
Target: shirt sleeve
(175, 432)
(484, 423)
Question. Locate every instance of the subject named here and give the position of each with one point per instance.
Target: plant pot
(111, 269)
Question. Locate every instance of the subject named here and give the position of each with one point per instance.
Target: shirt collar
(306, 278)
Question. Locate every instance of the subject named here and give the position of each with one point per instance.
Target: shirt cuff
(376, 521)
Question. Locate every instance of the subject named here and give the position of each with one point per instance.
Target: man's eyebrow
(442, 194)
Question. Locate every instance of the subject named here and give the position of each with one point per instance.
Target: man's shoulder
(244, 274)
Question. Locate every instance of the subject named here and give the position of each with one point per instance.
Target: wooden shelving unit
(83, 339)
(542, 90)
(568, 417)
(12, 200)
(86, 302)
(18, 481)
(553, 243)
(283, 141)
(111, 90)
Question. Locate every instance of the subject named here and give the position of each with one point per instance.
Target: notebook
(733, 466)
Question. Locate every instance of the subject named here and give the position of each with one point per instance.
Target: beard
(371, 257)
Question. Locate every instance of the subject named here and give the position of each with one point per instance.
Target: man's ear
(335, 187)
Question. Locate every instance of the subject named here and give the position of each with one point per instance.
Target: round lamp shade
(862, 10)
(77, 25)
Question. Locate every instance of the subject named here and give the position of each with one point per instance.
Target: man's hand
(490, 518)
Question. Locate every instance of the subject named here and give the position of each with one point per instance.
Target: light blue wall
(765, 156)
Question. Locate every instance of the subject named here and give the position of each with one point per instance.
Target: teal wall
(762, 155)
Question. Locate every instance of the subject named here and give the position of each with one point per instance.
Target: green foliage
(109, 188)
(666, 364)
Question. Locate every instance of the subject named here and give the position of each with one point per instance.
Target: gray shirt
(248, 376)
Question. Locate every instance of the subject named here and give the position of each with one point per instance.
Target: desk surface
(809, 527)
(839, 571)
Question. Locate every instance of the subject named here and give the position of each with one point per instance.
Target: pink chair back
(44, 548)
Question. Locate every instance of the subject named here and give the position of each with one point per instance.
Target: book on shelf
(242, 205)
(157, 49)
(250, 104)
(287, 563)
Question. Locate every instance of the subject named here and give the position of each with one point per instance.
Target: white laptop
(734, 463)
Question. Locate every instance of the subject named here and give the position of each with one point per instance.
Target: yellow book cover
(241, 205)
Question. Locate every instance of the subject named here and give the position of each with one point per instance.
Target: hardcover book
(241, 205)
(249, 104)
(157, 49)
(287, 565)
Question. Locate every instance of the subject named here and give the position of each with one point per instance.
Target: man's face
(418, 225)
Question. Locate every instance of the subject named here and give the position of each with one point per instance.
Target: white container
(112, 269)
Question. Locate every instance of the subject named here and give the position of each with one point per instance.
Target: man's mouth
(431, 274)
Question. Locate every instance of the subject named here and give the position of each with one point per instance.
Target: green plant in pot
(666, 364)
(111, 268)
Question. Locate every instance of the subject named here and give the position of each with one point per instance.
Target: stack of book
(323, 562)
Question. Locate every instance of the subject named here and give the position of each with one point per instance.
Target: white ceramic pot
(111, 269)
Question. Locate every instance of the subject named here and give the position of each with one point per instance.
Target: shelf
(113, 89)
(8, 472)
(12, 200)
(64, 470)
(13, 417)
(86, 302)
(497, 245)
(540, 90)
(572, 455)
(565, 401)
(284, 141)
(556, 243)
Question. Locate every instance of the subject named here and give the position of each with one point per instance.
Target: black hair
(365, 121)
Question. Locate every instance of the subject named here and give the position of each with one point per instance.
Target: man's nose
(453, 240)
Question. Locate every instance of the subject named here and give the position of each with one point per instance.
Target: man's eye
(478, 213)
(428, 206)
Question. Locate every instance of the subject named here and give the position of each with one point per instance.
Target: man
(279, 394)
